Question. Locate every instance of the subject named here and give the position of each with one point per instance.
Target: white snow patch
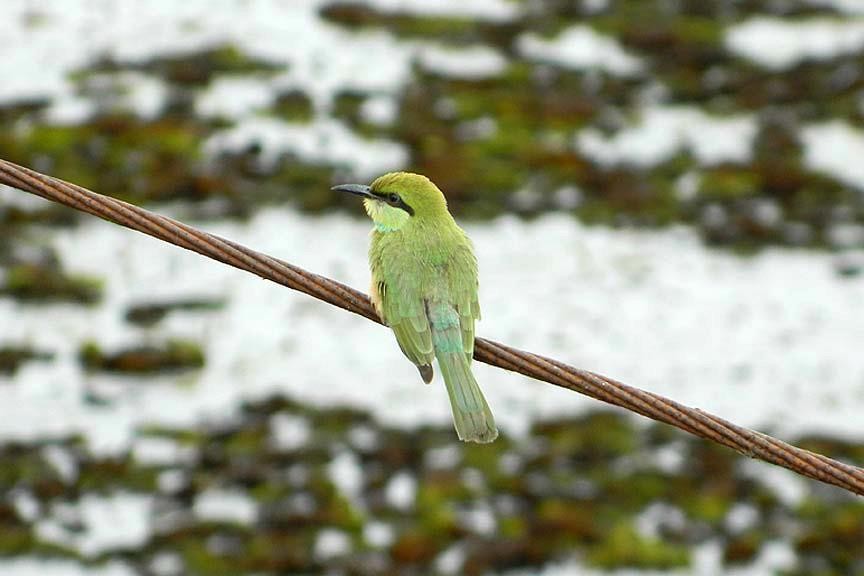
(62, 461)
(774, 341)
(324, 140)
(790, 488)
(473, 479)
(401, 491)
(24, 566)
(235, 97)
(142, 94)
(451, 560)
(443, 458)
(289, 432)
(172, 481)
(156, 451)
(11, 197)
(363, 438)
(26, 505)
(470, 63)
(116, 522)
(580, 47)
(568, 197)
(226, 506)
(845, 235)
(741, 517)
(479, 129)
(658, 515)
(480, 520)
(707, 560)
(664, 131)
(347, 474)
(166, 564)
(331, 543)
(145, 95)
(835, 148)
(780, 43)
(511, 463)
(379, 110)
(773, 557)
(69, 109)
(318, 57)
(594, 6)
(378, 534)
(491, 10)
(669, 458)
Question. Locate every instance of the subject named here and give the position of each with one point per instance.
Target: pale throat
(386, 217)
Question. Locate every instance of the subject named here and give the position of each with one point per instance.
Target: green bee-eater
(424, 287)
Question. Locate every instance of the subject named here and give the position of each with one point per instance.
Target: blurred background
(665, 191)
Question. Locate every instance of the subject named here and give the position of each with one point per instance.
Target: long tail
(471, 414)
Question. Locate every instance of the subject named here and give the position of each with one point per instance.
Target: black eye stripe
(393, 199)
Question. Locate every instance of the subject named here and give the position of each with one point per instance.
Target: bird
(425, 288)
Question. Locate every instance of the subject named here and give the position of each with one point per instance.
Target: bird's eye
(393, 198)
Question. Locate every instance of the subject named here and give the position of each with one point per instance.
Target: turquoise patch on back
(447, 342)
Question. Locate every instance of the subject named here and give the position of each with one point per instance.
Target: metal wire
(697, 422)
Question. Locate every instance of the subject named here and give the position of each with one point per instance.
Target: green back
(424, 265)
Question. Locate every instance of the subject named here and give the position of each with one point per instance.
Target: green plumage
(424, 285)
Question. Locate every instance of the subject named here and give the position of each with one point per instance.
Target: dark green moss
(147, 314)
(45, 283)
(567, 523)
(625, 548)
(416, 547)
(302, 184)
(16, 538)
(743, 548)
(293, 106)
(27, 468)
(597, 437)
(185, 437)
(347, 105)
(638, 489)
(247, 441)
(489, 142)
(171, 356)
(18, 217)
(848, 451)
(18, 109)
(449, 29)
(831, 541)
(105, 475)
(529, 103)
(136, 160)
(194, 68)
(283, 552)
(12, 357)
(726, 183)
(552, 495)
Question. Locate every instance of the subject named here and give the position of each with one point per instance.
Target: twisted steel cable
(697, 422)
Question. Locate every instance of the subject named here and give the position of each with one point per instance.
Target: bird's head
(399, 198)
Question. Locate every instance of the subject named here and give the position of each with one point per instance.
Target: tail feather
(471, 414)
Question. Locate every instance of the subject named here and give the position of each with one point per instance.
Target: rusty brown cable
(695, 421)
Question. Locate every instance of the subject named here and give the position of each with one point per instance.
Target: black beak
(356, 189)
